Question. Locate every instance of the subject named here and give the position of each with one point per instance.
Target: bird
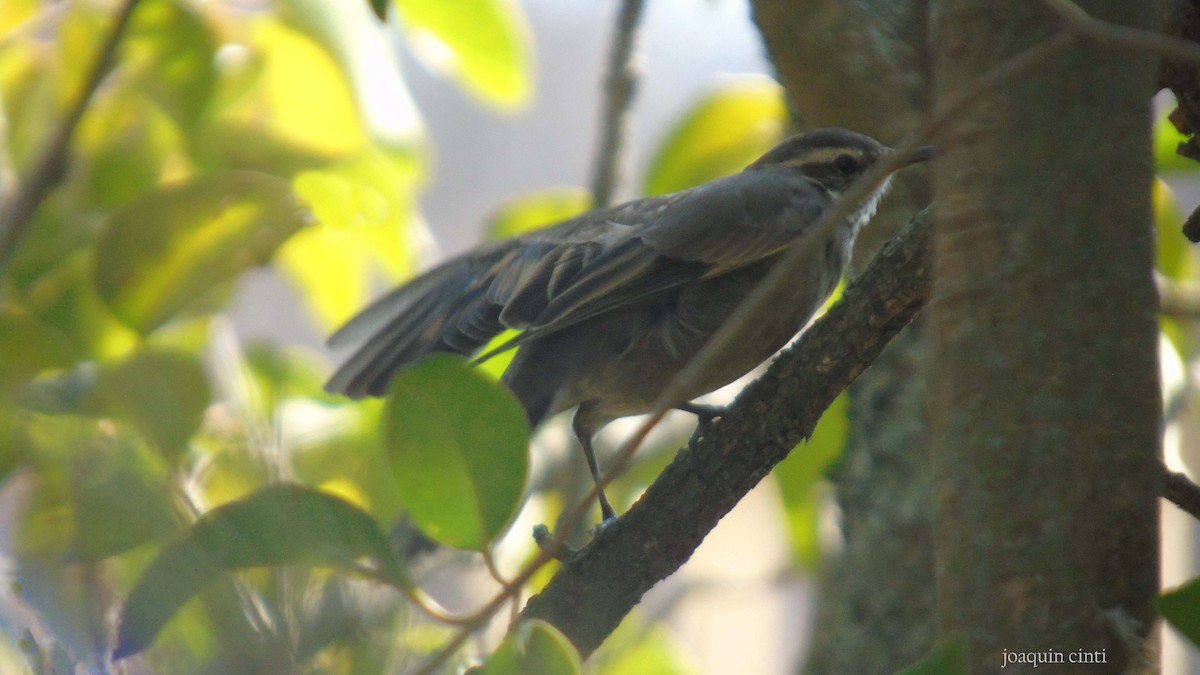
(611, 304)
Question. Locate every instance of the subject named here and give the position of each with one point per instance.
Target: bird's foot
(705, 414)
(550, 544)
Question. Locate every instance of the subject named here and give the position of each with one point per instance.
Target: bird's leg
(584, 434)
(705, 414)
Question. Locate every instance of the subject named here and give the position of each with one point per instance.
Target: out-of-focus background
(162, 328)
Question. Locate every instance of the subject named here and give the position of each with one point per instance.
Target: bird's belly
(630, 382)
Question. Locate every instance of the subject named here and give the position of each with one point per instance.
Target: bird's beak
(921, 154)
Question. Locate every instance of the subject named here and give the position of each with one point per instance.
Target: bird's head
(834, 158)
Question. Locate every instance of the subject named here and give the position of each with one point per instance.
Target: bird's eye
(847, 164)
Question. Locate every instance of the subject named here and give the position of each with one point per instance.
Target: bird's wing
(654, 245)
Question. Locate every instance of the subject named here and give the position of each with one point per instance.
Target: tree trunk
(1044, 403)
(863, 65)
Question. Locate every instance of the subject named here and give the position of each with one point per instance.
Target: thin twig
(1182, 492)
(620, 86)
(17, 212)
(1124, 37)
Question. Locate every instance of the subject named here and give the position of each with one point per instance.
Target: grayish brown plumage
(613, 303)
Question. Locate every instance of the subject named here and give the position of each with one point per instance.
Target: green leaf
(164, 393)
(539, 209)
(1166, 141)
(161, 253)
(29, 347)
(379, 8)
(719, 136)
(948, 657)
(458, 448)
(534, 647)
(484, 44)
(800, 474)
(170, 53)
(124, 143)
(1181, 608)
(120, 499)
(279, 525)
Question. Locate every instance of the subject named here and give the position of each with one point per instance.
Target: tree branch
(1182, 492)
(620, 86)
(17, 212)
(596, 588)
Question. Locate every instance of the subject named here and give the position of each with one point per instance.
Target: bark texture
(864, 65)
(1044, 403)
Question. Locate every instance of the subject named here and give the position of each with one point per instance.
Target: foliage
(212, 492)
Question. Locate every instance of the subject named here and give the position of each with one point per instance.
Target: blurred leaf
(948, 657)
(365, 53)
(120, 500)
(164, 393)
(537, 210)
(636, 648)
(800, 474)
(1175, 259)
(720, 135)
(14, 13)
(1181, 608)
(123, 143)
(283, 105)
(534, 647)
(1176, 256)
(379, 8)
(159, 254)
(65, 298)
(29, 347)
(279, 525)
(1166, 141)
(484, 44)
(169, 53)
(365, 210)
(458, 448)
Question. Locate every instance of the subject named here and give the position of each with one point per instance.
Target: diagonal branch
(17, 212)
(596, 588)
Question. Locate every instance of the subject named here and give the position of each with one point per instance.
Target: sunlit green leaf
(284, 105)
(458, 446)
(1166, 141)
(1181, 608)
(1176, 256)
(159, 254)
(948, 657)
(533, 211)
(365, 54)
(799, 477)
(534, 647)
(366, 226)
(720, 135)
(279, 525)
(484, 44)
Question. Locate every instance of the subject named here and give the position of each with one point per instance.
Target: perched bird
(613, 303)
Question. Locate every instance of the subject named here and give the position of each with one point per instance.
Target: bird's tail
(447, 309)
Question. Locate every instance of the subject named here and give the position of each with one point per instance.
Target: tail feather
(444, 310)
